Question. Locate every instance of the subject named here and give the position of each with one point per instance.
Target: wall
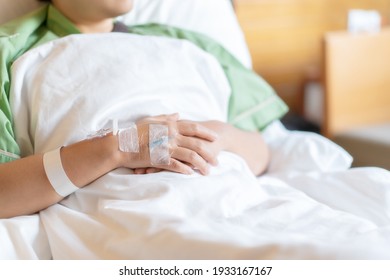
(285, 37)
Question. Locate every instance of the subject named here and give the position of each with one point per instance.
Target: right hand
(186, 146)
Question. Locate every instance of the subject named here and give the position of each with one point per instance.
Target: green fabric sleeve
(16, 37)
(253, 103)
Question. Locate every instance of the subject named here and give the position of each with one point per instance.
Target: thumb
(170, 117)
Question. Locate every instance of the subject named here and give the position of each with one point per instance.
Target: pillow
(294, 152)
(215, 18)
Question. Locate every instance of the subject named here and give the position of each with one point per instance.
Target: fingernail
(190, 171)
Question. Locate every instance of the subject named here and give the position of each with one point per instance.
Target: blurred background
(329, 60)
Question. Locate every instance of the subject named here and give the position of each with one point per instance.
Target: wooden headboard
(356, 80)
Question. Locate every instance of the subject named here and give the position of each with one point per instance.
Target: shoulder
(17, 33)
(201, 40)
(157, 29)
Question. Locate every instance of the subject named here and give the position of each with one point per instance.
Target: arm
(25, 189)
(249, 145)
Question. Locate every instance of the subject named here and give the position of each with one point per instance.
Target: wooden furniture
(357, 80)
(357, 94)
(285, 37)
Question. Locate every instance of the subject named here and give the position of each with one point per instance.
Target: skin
(24, 187)
(92, 16)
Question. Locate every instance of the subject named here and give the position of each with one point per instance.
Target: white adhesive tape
(128, 139)
(159, 144)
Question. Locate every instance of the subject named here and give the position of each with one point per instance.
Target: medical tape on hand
(128, 139)
(127, 136)
(56, 174)
(159, 144)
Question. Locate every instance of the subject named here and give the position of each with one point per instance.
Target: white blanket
(308, 205)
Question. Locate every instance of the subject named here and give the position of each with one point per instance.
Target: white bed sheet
(309, 205)
(23, 238)
(338, 213)
(288, 214)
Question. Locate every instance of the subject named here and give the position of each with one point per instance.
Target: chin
(123, 6)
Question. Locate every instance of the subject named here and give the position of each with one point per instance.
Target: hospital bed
(308, 205)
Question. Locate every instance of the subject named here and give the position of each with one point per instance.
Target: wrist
(110, 151)
(87, 160)
(225, 134)
(229, 138)
(128, 159)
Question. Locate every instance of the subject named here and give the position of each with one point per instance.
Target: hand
(211, 148)
(249, 145)
(187, 146)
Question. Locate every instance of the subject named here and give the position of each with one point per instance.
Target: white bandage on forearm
(159, 144)
(56, 174)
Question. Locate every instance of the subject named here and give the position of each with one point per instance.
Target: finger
(173, 117)
(151, 170)
(160, 118)
(191, 157)
(139, 171)
(201, 147)
(196, 130)
(178, 167)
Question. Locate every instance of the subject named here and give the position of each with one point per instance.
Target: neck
(104, 26)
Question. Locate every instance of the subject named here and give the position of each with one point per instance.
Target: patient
(193, 145)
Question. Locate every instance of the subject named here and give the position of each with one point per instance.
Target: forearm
(251, 147)
(25, 189)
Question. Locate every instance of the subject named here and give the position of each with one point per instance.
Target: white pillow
(303, 152)
(215, 18)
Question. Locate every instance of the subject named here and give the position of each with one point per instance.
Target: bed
(308, 205)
